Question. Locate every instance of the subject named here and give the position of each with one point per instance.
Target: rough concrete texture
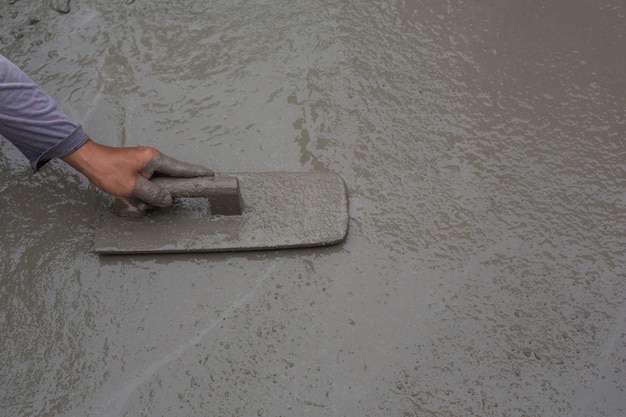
(483, 147)
(280, 210)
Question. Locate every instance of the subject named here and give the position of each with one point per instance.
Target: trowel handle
(221, 191)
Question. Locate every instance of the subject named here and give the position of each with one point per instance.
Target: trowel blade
(281, 210)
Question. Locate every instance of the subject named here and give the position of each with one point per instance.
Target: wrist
(81, 158)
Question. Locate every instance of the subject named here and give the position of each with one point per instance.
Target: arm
(33, 122)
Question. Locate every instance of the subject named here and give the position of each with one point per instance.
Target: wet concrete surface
(483, 149)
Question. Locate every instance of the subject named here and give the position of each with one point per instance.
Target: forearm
(32, 121)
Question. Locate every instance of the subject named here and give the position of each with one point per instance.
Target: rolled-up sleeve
(32, 121)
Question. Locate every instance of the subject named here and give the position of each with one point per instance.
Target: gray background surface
(484, 272)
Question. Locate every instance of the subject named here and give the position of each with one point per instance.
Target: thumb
(146, 190)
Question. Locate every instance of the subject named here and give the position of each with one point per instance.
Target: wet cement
(483, 148)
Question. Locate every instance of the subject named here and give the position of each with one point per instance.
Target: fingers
(166, 165)
(146, 190)
(149, 192)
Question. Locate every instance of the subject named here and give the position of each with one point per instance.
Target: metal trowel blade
(281, 210)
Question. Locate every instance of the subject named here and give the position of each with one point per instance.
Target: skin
(113, 170)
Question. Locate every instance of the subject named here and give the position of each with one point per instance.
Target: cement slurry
(482, 144)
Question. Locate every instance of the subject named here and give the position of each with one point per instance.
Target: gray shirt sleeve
(32, 121)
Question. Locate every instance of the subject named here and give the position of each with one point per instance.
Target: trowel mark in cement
(115, 404)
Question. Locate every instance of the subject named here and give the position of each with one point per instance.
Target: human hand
(162, 165)
(125, 173)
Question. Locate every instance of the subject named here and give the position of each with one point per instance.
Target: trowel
(231, 212)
